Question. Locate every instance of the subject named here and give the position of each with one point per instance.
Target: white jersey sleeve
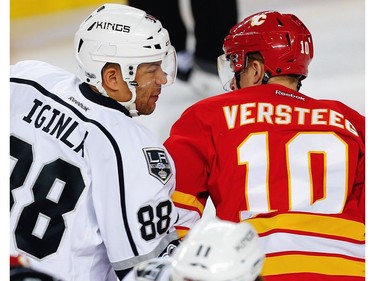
(90, 187)
(157, 269)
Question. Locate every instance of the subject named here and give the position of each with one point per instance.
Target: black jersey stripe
(115, 146)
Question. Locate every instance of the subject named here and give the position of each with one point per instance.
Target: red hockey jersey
(292, 165)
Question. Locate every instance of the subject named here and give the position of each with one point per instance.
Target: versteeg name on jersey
(49, 120)
(284, 114)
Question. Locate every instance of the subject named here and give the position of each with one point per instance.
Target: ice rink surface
(336, 72)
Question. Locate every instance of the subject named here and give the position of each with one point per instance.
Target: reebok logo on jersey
(158, 164)
(281, 93)
(78, 103)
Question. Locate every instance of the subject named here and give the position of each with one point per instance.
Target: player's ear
(111, 76)
(257, 68)
(253, 74)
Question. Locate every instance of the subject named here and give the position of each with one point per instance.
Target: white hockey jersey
(157, 269)
(89, 186)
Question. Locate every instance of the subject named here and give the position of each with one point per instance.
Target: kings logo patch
(158, 163)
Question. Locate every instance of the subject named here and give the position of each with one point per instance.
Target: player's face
(233, 84)
(150, 77)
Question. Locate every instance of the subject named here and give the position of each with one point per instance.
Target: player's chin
(152, 102)
(154, 98)
(147, 111)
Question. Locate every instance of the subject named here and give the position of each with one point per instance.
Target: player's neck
(286, 81)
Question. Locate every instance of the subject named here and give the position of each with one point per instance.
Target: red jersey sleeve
(190, 146)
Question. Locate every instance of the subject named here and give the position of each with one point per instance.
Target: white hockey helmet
(116, 33)
(218, 250)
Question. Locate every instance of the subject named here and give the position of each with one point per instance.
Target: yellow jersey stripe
(323, 225)
(182, 233)
(188, 200)
(315, 264)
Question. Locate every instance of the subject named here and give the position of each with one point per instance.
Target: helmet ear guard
(125, 35)
(283, 41)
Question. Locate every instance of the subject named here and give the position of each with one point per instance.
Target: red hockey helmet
(283, 40)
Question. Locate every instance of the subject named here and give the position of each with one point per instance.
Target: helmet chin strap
(267, 77)
(238, 79)
(237, 76)
(130, 104)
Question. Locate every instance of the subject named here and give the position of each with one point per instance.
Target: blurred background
(44, 30)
